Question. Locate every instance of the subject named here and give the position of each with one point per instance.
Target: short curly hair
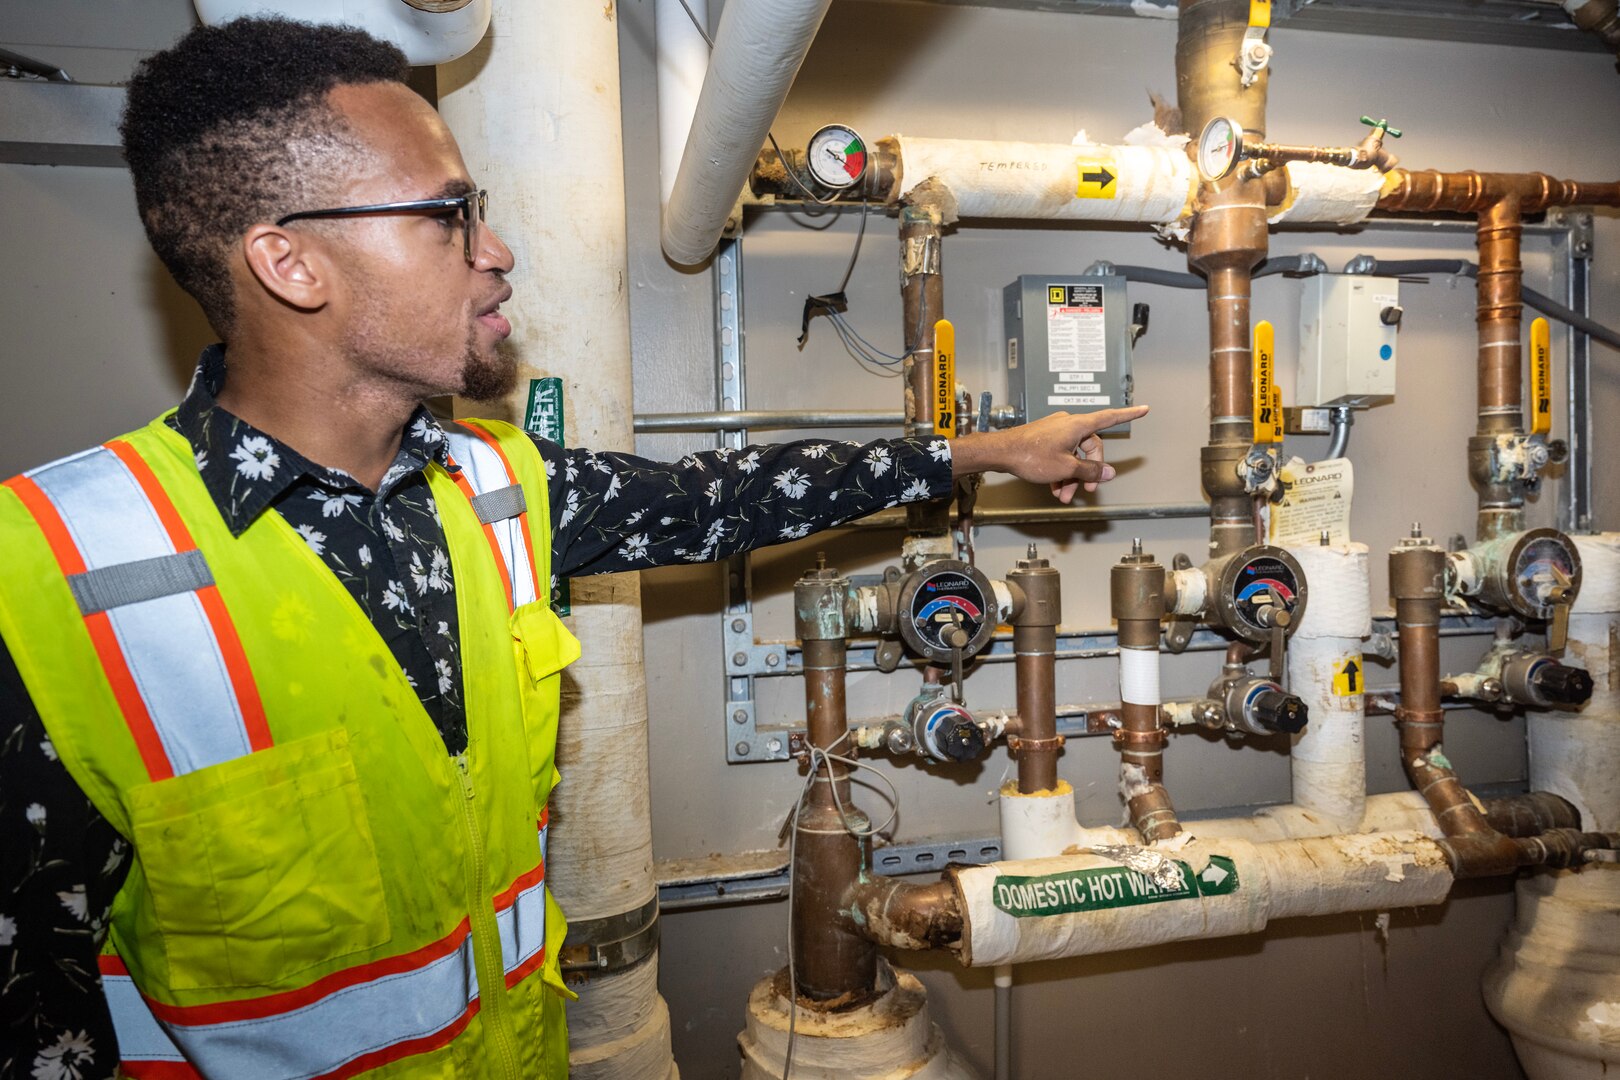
(230, 127)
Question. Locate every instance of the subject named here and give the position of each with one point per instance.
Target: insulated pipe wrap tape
(1340, 591)
(1600, 573)
(1150, 184)
(1085, 904)
(1328, 193)
(1037, 825)
(1139, 676)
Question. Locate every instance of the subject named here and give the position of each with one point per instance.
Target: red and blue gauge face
(944, 600)
(1263, 581)
(1540, 566)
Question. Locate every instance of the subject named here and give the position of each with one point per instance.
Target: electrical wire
(822, 757)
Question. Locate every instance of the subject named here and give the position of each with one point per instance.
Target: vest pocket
(544, 646)
(262, 866)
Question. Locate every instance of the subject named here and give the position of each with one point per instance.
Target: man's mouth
(490, 314)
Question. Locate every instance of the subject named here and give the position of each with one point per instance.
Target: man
(272, 765)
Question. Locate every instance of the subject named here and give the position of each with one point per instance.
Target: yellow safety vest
(318, 889)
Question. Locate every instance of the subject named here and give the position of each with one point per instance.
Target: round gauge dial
(1540, 564)
(942, 598)
(1219, 147)
(1256, 586)
(836, 157)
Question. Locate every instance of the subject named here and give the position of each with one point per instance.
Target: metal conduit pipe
(766, 419)
(757, 52)
(1041, 515)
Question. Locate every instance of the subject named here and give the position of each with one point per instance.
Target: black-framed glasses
(472, 206)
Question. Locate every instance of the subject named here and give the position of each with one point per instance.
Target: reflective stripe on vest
(488, 480)
(172, 656)
(158, 624)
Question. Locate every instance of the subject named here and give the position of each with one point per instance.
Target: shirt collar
(246, 470)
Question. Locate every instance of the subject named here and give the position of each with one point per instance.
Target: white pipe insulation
(425, 37)
(683, 59)
(1080, 905)
(757, 52)
(1329, 758)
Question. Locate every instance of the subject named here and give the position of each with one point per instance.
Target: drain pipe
(757, 53)
(565, 183)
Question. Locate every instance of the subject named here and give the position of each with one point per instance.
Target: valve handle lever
(1560, 599)
(1382, 125)
(957, 638)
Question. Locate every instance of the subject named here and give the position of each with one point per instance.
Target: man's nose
(492, 254)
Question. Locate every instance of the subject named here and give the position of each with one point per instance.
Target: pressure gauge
(1257, 585)
(1531, 573)
(944, 606)
(1219, 148)
(836, 157)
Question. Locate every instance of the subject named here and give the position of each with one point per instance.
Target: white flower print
(65, 1060)
(76, 901)
(395, 473)
(333, 504)
(940, 450)
(713, 491)
(115, 857)
(612, 489)
(571, 471)
(392, 531)
(634, 547)
(48, 748)
(570, 508)
(916, 492)
(8, 930)
(314, 538)
(444, 628)
(439, 571)
(749, 462)
(792, 483)
(426, 430)
(394, 598)
(551, 469)
(419, 576)
(202, 460)
(635, 517)
(666, 520)
(601, 466)
(815, 450)
(255, 458)
(36, 816)
(365, 554)
(794, 532)
(878, 459)
(441, 667)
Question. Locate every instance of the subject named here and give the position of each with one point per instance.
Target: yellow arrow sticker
(945, 379)
(1096, 178)
(1540, 378)
(1347, 680)
(1260, 13)
(1267, 424)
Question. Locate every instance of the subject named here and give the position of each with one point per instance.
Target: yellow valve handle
(1540, 378)
(1267, 399)
(1260, 13)
(944, 379)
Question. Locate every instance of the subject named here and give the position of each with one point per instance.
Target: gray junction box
(1068, 344)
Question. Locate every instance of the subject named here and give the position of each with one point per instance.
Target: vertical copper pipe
(1035, 657)
(1501, 394)
(922, 296)
(1136, 588)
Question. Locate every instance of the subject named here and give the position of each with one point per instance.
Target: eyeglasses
(472, 206)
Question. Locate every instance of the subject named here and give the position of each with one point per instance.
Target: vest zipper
(486, 936)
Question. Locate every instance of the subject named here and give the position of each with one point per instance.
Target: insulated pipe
(1136, 587)
(427, 31)
(683, 58)
(1035, 623)
(564, 220)
(757, 53)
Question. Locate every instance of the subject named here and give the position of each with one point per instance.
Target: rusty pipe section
(1037, 610)
(904, 915)
(1137, 600)
(1473, 845)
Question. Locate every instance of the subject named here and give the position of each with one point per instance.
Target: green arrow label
(1107, 887)
(543, 416)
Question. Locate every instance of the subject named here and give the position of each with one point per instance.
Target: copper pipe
(1136, 588)
(1035, 673)
(904, 915)
(1208, 82)
(922, 295)
(1501, 396)
(1471, 192)
(1531, 813)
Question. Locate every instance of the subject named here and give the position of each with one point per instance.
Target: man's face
(408, 305)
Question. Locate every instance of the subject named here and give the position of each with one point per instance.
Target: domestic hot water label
(1103, 887)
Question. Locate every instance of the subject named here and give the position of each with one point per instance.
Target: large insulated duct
(1558, 979)
(427, 31)
(757, 53)
(540, 126)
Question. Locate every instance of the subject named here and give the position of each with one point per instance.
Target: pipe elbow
(904, 915)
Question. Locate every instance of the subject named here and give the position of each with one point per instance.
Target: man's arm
(613, 512)
(61, 864)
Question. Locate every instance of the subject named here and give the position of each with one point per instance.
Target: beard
(488, 378)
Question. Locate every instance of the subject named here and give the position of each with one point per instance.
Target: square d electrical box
(1068, 344)
(1347, 325)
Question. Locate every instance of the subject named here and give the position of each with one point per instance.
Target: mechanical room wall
(1313, 998)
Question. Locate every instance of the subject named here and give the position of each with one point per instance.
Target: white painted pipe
(757, 52)
(683, 58)
(1329, 758)
(425, 37)
(1080, 905)
(539, 125)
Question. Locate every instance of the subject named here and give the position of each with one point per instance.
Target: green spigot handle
(1382, 125)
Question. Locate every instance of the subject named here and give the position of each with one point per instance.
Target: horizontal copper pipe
(904, 915)
(1531, 813)
(1471, 192)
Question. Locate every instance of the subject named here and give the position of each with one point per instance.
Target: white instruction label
(1075, 382)
(1078, 399)
(1012, 352)
(1075, 338)
(1316, 497)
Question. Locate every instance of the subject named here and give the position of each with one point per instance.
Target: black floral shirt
(61, 863)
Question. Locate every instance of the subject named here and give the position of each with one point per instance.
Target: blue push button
(1385, 352)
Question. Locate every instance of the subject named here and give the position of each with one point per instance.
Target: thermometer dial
(836, 157)
(1219, 148)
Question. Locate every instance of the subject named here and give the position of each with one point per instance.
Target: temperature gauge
(1255, 586)
(944, 602)
(836, 157)
(1220, 148)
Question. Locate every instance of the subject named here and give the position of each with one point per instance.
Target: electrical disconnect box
(1347, 332)
(1068, 344)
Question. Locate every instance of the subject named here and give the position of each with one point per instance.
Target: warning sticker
(1347, 681)
(1075, 337)
(1107, 887)
(1316, 498)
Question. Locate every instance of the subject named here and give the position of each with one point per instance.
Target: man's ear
(288, 265)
